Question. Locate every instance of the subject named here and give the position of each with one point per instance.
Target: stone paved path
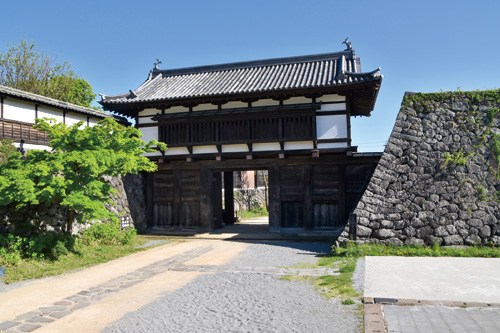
(204, 259)
(35, 318)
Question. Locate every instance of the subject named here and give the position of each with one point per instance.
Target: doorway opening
(242, 200)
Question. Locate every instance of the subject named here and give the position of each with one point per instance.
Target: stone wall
(437, 180)
(129, 199)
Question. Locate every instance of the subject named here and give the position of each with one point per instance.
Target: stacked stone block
(437, 180)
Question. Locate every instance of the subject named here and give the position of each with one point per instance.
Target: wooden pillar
(274, 199)
(206, 200)
(342, 195)
(177, 206)
(307, 197)
(228, 198)
(217, 199)
(149, 199)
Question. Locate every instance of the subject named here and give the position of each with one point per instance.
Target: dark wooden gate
(176, 199)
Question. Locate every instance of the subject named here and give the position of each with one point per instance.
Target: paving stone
(110, 284)
(86, 293)
(97, 298)
(404, 301)
(12, 330)
(8, 324)
(38, 319)
(49, 309)
(27, 315)
(95, 289)
(80, 305)
(59, 314)
(76, 299)
(452, 303)
(28, 327)
(63, 303)
(475, 304)
(368, 300)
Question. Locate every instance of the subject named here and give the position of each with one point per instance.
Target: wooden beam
(274, 198)
(206, 200)
(149, 199)
(228, 198)
(307, 197)
(177, 206)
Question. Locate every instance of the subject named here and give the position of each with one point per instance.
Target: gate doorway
(305, 194)
(239, 195)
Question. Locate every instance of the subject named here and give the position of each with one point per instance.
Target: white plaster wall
(203, 107)
(234, 148)
(331, 98)
(149, 133)
(45, 112)
(298, 100)
(333, 107)
(18, 110)
(156, 153)
(331, 127)
(267, 146)
(265, 102)
(177, 109)
(93, 122)
(234, 105)
(28, 146)
(149, 112)
(177, 151)
(299, 145)
(332, 145)
(73, 118)
(204, 149)
(145, 121)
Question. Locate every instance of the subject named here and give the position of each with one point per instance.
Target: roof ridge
(252, 63)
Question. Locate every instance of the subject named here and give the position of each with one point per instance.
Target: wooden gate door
(328, 196)
(175, 199)
(291, 197)
(162, 195)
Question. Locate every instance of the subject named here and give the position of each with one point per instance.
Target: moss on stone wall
(438, 179)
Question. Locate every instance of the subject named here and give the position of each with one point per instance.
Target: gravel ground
(242, 302)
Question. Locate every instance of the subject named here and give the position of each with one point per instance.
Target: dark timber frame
(291, 116)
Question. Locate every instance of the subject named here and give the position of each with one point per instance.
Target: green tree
(6, 149)
(25, 67)
(73, 174)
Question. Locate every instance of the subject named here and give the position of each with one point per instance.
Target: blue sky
(421, 46)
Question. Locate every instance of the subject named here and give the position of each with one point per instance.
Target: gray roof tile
(272, 75)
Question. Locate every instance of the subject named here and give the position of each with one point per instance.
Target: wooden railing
(17, 130)
(238, 130)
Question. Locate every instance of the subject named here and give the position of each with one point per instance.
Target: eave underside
(362, 99)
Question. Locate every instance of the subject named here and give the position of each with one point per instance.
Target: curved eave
(363, 96)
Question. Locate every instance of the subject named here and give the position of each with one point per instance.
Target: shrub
(44, 245)
(107, 233)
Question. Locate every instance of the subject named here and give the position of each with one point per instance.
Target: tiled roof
(42, 100)
(273, 75)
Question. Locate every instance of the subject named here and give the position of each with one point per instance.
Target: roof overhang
(362, 97)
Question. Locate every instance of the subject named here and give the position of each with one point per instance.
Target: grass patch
(361, 250)
(257, 212)
(344, 258)
(32, 258)
(337, 286)
(83, 256)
